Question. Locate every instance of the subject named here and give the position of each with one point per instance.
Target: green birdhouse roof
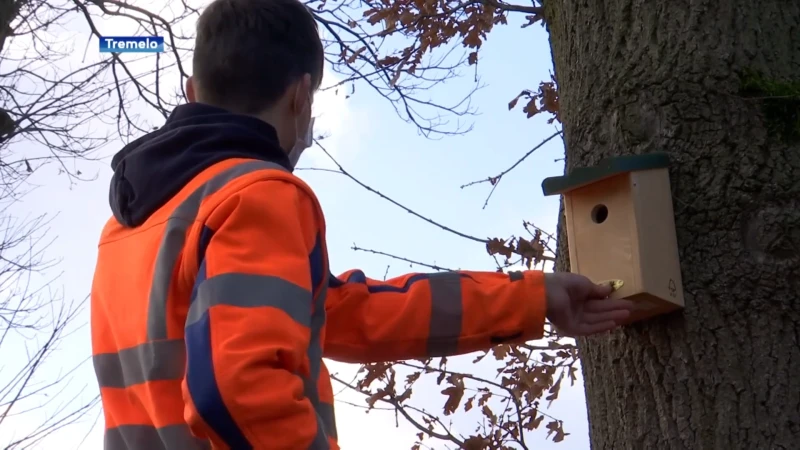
(606, 168)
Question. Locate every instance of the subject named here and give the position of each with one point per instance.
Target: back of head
(247, 52)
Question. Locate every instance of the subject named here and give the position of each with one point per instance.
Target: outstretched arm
(248, 326)
(423, 315)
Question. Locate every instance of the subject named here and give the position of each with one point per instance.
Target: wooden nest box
(621, 226)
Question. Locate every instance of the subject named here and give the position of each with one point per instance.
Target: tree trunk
(715, 84)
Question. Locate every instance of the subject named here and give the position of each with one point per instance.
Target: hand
(578, 307)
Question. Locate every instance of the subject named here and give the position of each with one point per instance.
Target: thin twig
(400, 258)
(405, 208)
(402, 410)
(495, 180)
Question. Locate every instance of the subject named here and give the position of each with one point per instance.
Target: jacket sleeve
(248, 324)
(425, 315)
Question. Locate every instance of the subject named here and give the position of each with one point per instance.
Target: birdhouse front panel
(601, 229)
(620, 226)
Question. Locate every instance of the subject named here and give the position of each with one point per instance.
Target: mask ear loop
(310, 132)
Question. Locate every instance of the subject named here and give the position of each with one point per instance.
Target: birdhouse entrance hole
(599, 213)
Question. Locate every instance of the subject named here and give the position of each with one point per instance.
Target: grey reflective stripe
(251, 291)
(516, 276)
(152, 361)
(446, 313)
(310, 387)
(145, 437)
(175, 237)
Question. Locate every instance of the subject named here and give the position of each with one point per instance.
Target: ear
(190, 94)
(302, 94)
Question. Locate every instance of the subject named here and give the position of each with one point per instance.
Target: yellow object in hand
(615, 284)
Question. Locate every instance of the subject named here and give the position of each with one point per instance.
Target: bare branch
(400, 258)
(405, 208)
(495, 180)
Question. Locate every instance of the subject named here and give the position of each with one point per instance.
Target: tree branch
(495, 180)
(400, 258)
(403, 207)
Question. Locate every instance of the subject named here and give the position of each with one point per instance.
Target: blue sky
(382, 151)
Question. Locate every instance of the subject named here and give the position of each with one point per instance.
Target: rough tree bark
(689, 77)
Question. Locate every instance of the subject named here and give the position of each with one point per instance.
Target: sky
(374, 145)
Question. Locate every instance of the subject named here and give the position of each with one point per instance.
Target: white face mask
(301, 144)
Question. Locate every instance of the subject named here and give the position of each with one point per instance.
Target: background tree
(44, 115)
(33, 315)
(717, 85)
(56, 108)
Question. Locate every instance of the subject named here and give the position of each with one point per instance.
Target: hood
(152, 169)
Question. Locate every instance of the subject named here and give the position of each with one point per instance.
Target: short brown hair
(248, 52)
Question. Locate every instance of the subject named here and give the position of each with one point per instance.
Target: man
(212, 301)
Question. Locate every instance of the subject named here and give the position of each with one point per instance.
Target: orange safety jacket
(210, 319)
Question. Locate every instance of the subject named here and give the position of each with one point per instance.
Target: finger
(586, 329)
(608, 304)
(616, 315)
